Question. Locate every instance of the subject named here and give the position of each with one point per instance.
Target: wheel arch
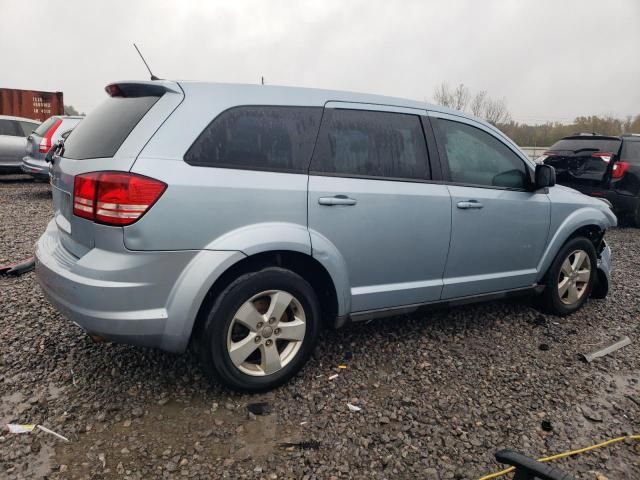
(303, 264)
(587, 222)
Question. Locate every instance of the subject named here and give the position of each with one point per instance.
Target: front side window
(478, 158)
(371, 144)
(273, 138)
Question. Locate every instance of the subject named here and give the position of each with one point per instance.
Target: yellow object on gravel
(565, 454)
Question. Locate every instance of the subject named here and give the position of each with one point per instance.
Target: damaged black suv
(600, 166)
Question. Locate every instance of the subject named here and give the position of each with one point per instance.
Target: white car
(13, 141)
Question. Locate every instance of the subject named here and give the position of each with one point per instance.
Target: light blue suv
(242, 219)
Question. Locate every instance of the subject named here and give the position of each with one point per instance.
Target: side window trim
(333, 106)
(435, 162)
(444, 164)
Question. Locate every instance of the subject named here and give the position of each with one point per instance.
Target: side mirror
(545, 176)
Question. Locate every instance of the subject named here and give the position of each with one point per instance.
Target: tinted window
(107, 127)
(44, 126)
(372, 144)
(28, 127)
(11, 128)
(264, 138)
(586, 143)
(476, 157)
(630, 151)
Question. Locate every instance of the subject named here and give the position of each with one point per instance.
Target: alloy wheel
(574, 277)
(266, 333)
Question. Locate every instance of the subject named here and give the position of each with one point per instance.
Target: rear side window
(28, 127)
(106, 128)
(630, 151)
(478, 158)
(10, 128)
(45, 126)
(273, 138)
(365, 143)
(585, 144)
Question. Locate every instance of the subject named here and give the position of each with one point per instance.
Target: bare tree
(495, 111)
(477, 104)
(481, 104)
(443, 96)
(457, 98)
(460, 97)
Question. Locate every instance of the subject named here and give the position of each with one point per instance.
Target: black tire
(550, 299)
(212, 338)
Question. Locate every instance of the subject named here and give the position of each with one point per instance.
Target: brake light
(604, 156)
(619, 169)
(115, 198)
(45, 143)
(114, 90)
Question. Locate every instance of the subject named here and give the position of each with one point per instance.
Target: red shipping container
(30, 103)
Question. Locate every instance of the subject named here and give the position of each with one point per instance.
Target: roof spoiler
(157, 88)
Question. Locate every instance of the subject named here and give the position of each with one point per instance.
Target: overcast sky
(550, 60)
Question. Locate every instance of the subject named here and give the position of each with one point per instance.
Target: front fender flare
(579, 218)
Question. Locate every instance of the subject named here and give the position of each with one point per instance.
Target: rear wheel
(260, 331)
(570, 278)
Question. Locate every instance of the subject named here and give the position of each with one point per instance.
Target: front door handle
(337, 200)
(469, 204)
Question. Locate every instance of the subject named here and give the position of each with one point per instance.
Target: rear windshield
(106, 128)
(631, 151)
(586, 143)
(44, 126)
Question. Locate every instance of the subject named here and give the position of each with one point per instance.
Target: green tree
(71, 110)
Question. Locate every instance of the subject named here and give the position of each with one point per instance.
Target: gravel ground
(439, 394)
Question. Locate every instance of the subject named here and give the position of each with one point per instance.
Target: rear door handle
(469, 204)
(337, 200)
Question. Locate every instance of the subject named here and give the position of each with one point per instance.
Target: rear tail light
(114, 198)
(604, 156)
(45, 143)
(619, 169)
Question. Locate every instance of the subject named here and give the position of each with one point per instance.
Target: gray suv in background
(243, 219)
(13, 140)
(48, 134)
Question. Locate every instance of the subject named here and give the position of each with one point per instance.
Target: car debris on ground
(30, 427)
(617, 345)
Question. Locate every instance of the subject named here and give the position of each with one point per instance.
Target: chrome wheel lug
(257, 339)
(277, 331)
(259, 325)
(269, 343)
(272, 320)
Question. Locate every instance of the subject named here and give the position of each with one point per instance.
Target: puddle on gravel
(169, 433)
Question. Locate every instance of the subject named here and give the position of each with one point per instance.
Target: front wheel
(260, 331)
(570, 278)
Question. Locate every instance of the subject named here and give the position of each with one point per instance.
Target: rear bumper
(141, 298)
(35, 167)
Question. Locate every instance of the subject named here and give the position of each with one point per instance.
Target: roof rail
(589, 134)
(631, 134)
